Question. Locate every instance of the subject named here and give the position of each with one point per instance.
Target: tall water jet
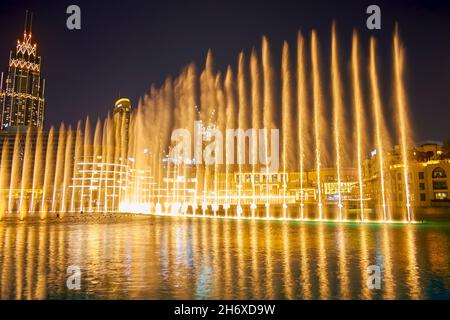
(140, 160)
(268, 107)
(4, 178)
(15, 172)
(121, 161)
(110, 159)
(26, 174)
(358, 118)
(255, 76)
(87, 149)
(97, 153)
(207, 97)
(402, 117)
(190, 93)
(207, 105)
(78, 154)
(59, 166)
(317, 100)
(168, 102)
(116, 155)
(231, 111)
(179, 121)
(287, 116)
(48, 173)
(221, 125)
(243, 118)
(338, 110)
(68, 170)
(379, 125)
(38, 169)
(302, 115)
(103, 169)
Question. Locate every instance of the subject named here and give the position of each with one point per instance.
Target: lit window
(439, 173)
(440, 185)
(441, 195)
(423, 197)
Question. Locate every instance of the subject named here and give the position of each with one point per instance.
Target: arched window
(439, 173)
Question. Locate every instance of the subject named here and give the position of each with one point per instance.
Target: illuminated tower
(22, 90)
(121, 120)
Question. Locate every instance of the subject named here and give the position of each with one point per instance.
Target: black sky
(124, 46)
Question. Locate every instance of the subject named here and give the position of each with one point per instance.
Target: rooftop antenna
(26, 18)
(31, 21)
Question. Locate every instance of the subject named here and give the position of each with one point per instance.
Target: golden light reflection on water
(288, 283)
(255, 259)
(268, 262)
(364, 262)
(322, 264)
(344, 284)
(304, 267)
(413, 274)
(178, 258)
(240, 261)
(389, 283)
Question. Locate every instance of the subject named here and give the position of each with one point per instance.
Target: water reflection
(177, 258)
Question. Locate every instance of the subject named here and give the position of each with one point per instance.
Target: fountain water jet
(255, 76)
(302, 114)
(68, 170)
(358, 119)
(4, 179)
(59, 166)
(15, 172)
(402, 113)
(48, 173)
(78, 150)
(87, 148)
(37, 169)
(379, 126)
(317, 99)
(337, 114)
(26, 175)
(269, 113)
(287, 115)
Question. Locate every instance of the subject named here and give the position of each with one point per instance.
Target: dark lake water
(185, 258)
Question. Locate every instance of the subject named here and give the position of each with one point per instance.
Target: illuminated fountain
(139, 167)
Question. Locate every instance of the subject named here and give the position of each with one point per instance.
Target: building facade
(22, 101)
(431, 177)
(428, 180)
(121, 121)
(105, 181)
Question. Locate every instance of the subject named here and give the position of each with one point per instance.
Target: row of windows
(437, 196)
(437, 173)
(437, 185)
(440, 185)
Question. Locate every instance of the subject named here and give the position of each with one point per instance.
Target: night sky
(125, 46)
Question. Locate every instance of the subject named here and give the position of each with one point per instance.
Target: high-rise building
(21, 88)
(121, 120)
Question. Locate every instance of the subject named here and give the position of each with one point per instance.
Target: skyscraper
(22, 89)
(121, 120)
